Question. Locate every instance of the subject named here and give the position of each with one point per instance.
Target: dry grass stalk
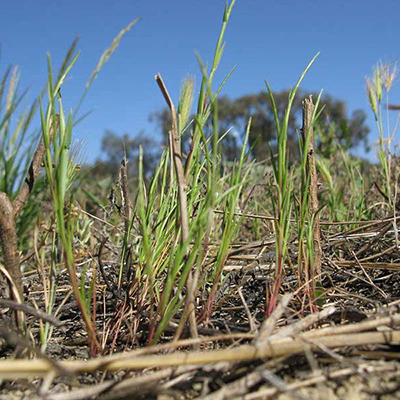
(377, 265)
(364, 326)
(269, 324)
(239, 387)
(123, 185)
(127, 212)
(12, 369)
(176, 151)
(308, 111)
(9, 212)
(135, 386)
(109, 52)
(304, 323)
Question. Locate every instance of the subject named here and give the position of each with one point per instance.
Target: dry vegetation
(268, 279)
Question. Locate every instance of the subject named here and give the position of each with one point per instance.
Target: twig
(363, 224)
(367, 225)
(32, 311)
(375, 240)
(377, 265)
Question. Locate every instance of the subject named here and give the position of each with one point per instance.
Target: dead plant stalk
(12, 369)
(313, 205)
(176, 152)
(9, 211)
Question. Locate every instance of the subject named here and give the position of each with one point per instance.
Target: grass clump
(202, 245)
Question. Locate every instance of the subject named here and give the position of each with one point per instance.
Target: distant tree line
(334, 125)
(113, 148)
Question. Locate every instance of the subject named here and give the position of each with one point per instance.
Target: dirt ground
(355, 294)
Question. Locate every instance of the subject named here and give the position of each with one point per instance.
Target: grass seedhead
(377, 86)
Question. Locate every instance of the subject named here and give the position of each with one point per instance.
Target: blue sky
(265, 39)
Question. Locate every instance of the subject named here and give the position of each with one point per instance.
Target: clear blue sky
(265, 39)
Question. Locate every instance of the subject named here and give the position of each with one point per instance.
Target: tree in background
(113, 147)
(334, 124)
